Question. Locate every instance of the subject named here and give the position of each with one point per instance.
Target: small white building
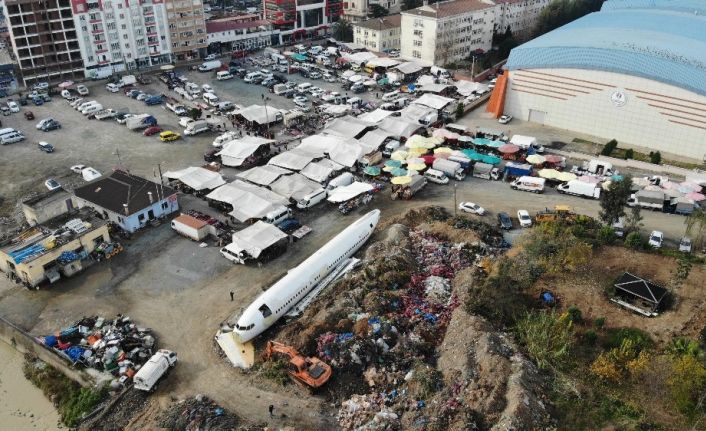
(447, 32)
(378, 34)
(127, 200)
(115, 36)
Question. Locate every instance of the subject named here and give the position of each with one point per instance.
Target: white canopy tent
(359, 57)
(197, 178)
(248, 201)
(293, 160)
(375, 116)
(400, 127)
(433, 88)
(466, 88)
(347, 127)
(336, 110)
(409, 67)
(416, 113)
(375, 138)
(346, 193)
(382, 62)
(433, 101)
(254, 239)
(235, 152)
(294, 186)
(260, 114)
(318, 172)
(263, 175)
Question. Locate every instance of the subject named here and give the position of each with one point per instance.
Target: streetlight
(267, 115)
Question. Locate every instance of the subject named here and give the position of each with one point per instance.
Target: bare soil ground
(587, 292)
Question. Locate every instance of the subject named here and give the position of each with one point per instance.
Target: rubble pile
(197, 413)
(367, 413)
(115, 346)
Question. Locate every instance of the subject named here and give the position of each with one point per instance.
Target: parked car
(122, 118)
(142, 96)
(153, 130)
(685, 245)
(289, 225)
(169, 136)
(656, 239)
(82, 90)
(505, 119)
(76, 169)
(52, 125)
(524, 218)
(46, 147)
(14, 107)
(210, 57)
(29, 115)
(315, 75)
(207, 88)
(41, 123)
(472, 208)
(504, 221)
(52, 184)
(40, 86)
(5, 110)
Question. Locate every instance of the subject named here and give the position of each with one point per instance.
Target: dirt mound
(119, 414)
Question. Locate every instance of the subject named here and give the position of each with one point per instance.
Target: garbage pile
(367, 413)
(115, 346)
(197, 413)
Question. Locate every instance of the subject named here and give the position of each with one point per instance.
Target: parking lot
(178, 288)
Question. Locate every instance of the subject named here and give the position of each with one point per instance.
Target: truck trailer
(580, 188)
(406, 191)
(450, 168)
(648, 199)
(517, 169)
(191, 227)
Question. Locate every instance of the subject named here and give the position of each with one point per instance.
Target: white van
(354, 102)
(8, 130)
(11, 138)
(223, 75)
(279, 89)
(390, 148)
(80, 106)
(435, 176)
(312, 199)
(389, 97)
(253, 77)
(276, 216)
(303, 87)
(344, 179)
(113, 88)
(210, 98)
(91, 109)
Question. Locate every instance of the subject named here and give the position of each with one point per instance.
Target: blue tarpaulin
(75, 353)
(50, 341)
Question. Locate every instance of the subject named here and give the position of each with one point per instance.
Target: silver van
(276, 216)
(435, 176)
(11, 138)
(7, 131)
(312, 199)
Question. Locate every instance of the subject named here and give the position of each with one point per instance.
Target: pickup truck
(175, 107)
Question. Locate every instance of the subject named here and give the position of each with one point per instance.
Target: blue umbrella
(399, 172)
(393, 163)
(373, 171)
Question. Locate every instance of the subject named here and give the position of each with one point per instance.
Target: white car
(76, 169)
(685, 245)
(315, 75)
(122, 119)
(211, 57)
(14, 107)
(52, 184)
(301, 102)
(656, 239)
(524, 218)
(207, 88)
(472, 208)
(184, 121)
(43, 122)
(82, 90)
(40, 86)
(90, 174)
(74, 103)
(505, 119)
(329, 78)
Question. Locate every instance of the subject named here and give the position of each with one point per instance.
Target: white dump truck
(529, 184)
(450, 168)
(580, 188)
(147, 377)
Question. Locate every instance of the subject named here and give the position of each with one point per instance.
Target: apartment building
(241, 33)
(301, 19)
(520, 16)
(358, 10)
(119, 35)
(187, 29)
(378, 34)
(447, 32)
(44, 40)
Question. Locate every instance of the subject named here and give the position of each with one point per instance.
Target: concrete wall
(636, 111)
(25, 343)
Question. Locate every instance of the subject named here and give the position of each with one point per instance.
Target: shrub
(590, 337)
(634, 241)
(655, 157)
(606, 235)
(628, 361)
(629, 154)
(275, 370)
(546, 337)
(640, 339)
(687, 383)
(599, 322)
(574, 314)
(609, 147)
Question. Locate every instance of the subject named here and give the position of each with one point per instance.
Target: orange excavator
(312, 372)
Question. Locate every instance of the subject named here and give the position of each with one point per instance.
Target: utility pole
(455, 204)
(117, 153)
(267, 115)
(159, 167)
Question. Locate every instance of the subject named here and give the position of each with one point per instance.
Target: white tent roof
(318, 172)
(425, 80)
(523, 141)
(294, 186)
(434, 88)
(337, 110)
(347, 127)
(346, 193)
(359, 57)
(399, 127)
(433, 101)
(248, 201)
(414, 113)
(375, 116)
(409, 67)
(319, 144)
(197, 178)
(256, 238)
(466, 88)
(375, 138)
(330, 164)
(236, 151)
(383, 62)
(259, 114)
(263, 175)
(294, 160)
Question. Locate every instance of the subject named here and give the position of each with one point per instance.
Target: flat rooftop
(37, 241)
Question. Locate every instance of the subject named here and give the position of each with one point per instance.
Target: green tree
(377, 11)
(655, 157)
(459, 110)
(696, 226)
(343, 31)
(629, 154)
(411, 4)
(633, 240)
(609, 147)
(194, 113)
(633, 221)
(613, 200)
(560, 12)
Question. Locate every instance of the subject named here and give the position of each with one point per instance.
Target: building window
(417, 43)
(141, 217)
(416, 54)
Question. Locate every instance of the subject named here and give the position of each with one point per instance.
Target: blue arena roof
(663, 40)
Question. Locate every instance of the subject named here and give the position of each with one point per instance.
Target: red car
(152, 131)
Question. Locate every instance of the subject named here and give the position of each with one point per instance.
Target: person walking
(232, 295)
(271, 409)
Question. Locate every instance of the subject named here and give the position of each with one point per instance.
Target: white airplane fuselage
(300, 280)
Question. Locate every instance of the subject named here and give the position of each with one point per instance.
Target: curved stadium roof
(663, 40)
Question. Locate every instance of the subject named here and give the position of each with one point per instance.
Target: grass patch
(584, 141)
(72, 401)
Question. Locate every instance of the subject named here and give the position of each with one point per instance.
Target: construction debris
(116, 346)
(197, 413)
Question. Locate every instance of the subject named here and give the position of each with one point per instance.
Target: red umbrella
(695, 196)
(428, 160)
(509, 148)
